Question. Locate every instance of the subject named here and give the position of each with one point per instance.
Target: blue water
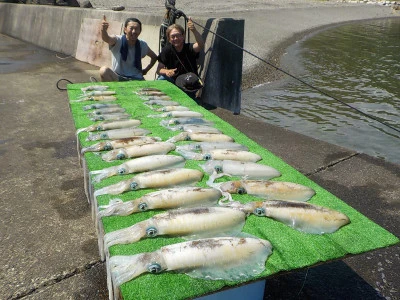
(358, 64)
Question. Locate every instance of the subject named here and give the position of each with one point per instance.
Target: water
(358, 64)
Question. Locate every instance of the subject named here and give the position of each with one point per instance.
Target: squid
(201, 137)
(270, 190)
(219, 258)
(139, 150)
(178, 114)
(219, 154)
(94, 88)
(99, 92)
(195, 128)
(107, 110)
(161, 102)
(119, 133)
(110, 117)
(100, 105)
(194, 222)
(120, 143)
(206, 146)
(171, 108)
(153, 180)
(151, 93)
(248, 170)
(156, 97)
(185, 120)
(96, 98)
(301, 216)
(148, 89)
(178, 197)
(141, 164)
(107, 125)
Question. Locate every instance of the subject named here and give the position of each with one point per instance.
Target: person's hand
(190, 24)
(170, 72)
(104, 23)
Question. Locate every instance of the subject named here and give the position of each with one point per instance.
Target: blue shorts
(129, 78)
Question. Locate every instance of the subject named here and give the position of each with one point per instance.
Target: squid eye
(180, 128)
(259, 211)
(241, 191)
(133, 186)
(100, 118)
(187, 138)
(103, 136)
(218, 169)
(142, 206)
(121, 171)
(151, 232)
(169, 115)
(154, 268)
(197, 147)
(99, 128)
(120, 155)
(207, 156)
(107, 147)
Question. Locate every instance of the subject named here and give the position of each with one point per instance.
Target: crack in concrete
(56, 279)
(323, 168)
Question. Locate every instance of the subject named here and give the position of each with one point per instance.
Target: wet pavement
(48, 241)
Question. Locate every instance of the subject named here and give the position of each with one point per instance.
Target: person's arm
(162, 70)
(199, 45)
(109, 39)
(153, 57)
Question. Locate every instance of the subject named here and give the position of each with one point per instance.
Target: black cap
(189, 82)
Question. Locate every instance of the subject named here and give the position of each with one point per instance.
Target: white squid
(227, 258)
(107, 110)
(194, 222)
(178, 114)
(171, 108)
(94, 88)
(110, 117)
(154, 180)
(138, 151)
(120, 143)
(140, 164)
(201, 137)
(301, 216)
(187, 196)
(206, 146)
(248, 170)
(164, 103)
(96, 98)
(270, 190)
(107, 125)
(194, 128)
(151, 93)
(97, 92)
(100, 105)
(185, 120)
(219, 154)
(120, 133)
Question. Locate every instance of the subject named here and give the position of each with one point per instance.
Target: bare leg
(106, 74)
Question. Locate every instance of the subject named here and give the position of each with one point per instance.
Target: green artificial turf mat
(292, 249)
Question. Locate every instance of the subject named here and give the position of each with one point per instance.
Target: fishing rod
(298, 79)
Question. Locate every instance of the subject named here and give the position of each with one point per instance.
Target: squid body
(206, 146)
(195, 128)
(107, 125)
(141, 164)
(302, 216)
(186, 196)
(171, 108)
(220, 154)
(100, 105)
(270, 190)
(249, 170)
(120, 143)
(119, 133)
(195, 222)
(201, 137)
(178, 114)
(154, 179)
(139, 150)
(227, 258)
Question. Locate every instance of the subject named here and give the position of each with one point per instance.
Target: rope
(298, 79)
(62, 79)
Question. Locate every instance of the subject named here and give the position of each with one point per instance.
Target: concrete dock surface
(48, 241)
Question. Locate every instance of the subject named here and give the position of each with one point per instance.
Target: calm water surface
(358, 64)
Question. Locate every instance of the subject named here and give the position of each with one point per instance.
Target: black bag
(189, 82)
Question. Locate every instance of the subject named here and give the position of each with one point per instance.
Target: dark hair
(133, 20)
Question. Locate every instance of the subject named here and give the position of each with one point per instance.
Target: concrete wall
(59, 29)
